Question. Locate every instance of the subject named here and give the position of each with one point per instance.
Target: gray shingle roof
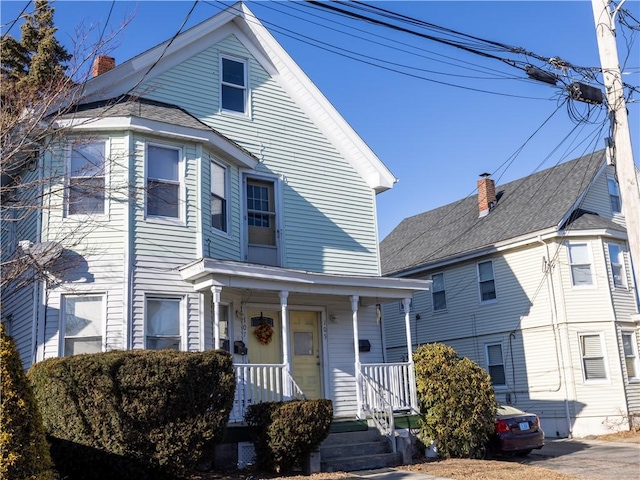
(130, 106)
(524, 206)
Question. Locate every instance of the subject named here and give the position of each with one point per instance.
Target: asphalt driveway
(589, 459)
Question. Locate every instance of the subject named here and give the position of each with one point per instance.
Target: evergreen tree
(24, 451)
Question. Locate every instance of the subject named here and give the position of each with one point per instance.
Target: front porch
(322, 326)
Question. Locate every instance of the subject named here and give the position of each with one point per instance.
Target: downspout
(549, 265)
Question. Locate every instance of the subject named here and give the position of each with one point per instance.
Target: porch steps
(359, 449)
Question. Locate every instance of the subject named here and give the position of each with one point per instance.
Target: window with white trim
(219, 197)
(614, 195)
(163, 318)
(486, 281)
(163, 181)
(630, 349)
(82, 317)
(593, 361)
(86, 193)
(438, 292)
(616, 260)
(495, 364)
(580, 264)
(233, 85)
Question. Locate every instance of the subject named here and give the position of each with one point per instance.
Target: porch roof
(208, 272)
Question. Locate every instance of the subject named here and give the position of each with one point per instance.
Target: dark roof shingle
(527, 205)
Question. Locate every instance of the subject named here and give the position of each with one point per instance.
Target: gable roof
(241, 22)
(152, 116)
(547, 200)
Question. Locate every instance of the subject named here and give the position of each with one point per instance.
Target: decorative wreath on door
(264, 333)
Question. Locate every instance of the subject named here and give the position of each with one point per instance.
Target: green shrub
(285, 432)
(24, 451)
(137, 410)
(457, 400)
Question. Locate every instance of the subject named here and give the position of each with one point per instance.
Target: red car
(516, 432)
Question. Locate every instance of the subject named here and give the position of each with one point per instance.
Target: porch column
(215, 291)
(412, 376)
(356, 346)
(286, 387)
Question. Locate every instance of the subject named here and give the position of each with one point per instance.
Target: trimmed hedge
(133, 412)
(285, 433)
(457, 400)
(24, 451)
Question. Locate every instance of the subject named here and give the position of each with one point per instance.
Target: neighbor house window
(163, 323)
(438, 295)
(163, 181)
(630, 348)
(486, 281)
(614, 195)
(616, 260)
(82, 324)
(218, 197)
(593, 363)
(233, 88)
(86, 192)
(580, 262)
(495, 364)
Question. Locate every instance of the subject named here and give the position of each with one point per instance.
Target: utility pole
(621, 148)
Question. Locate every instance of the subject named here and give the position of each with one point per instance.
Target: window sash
(233, 89)
(616, 260)
(630, 354)
(593, 357)
(495, 364)
(580, 262)
(614, 195)
(86, 182)
(438, 293)
(486, 281)
(82, 324)
(163, 323)
(218, 197)
(163, 181)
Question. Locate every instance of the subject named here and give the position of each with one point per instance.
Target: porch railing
(257, 383)
(379, 409)
(396, 381)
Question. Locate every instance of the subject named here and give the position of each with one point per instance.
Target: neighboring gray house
(217, 200)
(531, 280)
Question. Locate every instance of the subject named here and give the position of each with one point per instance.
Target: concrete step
(330, 452)
(365, 462)
(348, 438)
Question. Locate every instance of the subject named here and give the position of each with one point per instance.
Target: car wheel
(522, 453)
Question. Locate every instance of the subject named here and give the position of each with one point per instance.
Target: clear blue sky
(468, 114)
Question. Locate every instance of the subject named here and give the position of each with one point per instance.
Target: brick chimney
(102, 64)
(486, 194)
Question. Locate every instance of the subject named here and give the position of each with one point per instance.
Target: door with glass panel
(260, 215)
(305, 346)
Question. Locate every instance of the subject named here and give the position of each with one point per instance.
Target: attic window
(233, 88)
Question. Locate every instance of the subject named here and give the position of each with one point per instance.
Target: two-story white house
(531, 280)
(205, 194)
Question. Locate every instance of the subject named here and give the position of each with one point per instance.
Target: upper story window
(614, 195)
(616, 260)
(86, 194)
(580, 262)
(163, 181)
(233, 88)
(495, 364)
(438, 295)
(163, 323)
(593, 361)
(486, 281)
(82, 324)
(219, 197)
(630, 349)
